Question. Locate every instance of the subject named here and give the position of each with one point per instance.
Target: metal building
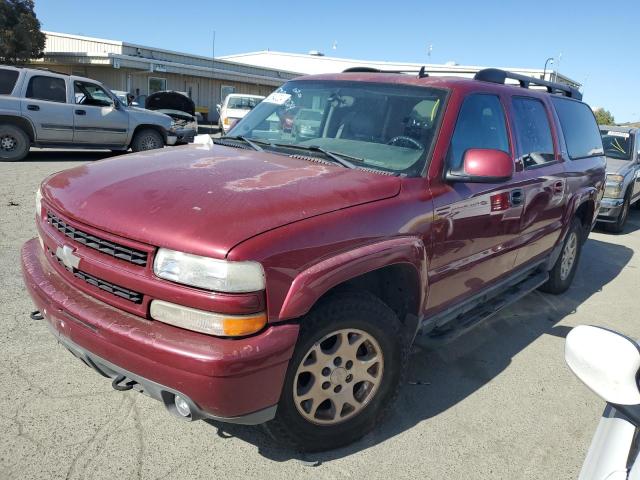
(142, 70)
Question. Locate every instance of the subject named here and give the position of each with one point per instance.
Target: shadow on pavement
(439, 379)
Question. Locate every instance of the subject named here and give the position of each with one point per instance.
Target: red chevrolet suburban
(278, 279)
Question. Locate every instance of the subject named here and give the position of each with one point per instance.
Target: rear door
(539, 176)
(46, 103)
(97, 120)
(475, 225)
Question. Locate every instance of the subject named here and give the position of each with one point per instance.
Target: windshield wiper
(338, 158)
(252, 144)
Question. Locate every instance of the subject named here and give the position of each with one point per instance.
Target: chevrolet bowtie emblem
(66, 256)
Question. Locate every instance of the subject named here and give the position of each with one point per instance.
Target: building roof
(315, 63)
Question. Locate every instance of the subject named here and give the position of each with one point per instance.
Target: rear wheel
(344, 375)
(618, 225)
(562, 273)
(147, 139)
(14, 143)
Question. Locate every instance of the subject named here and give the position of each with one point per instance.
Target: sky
(595, 42)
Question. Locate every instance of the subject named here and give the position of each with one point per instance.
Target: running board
(467, 320)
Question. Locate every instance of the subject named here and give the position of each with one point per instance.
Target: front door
(97, 120)
(475, 223)
(45, 103)
(540, 174)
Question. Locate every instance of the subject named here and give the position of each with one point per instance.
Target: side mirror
(606, 362)
(483, 165)
(218, 107)
(130, 98)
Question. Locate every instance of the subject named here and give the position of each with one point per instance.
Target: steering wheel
(401, 139)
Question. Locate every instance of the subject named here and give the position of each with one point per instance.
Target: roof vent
(316, 53)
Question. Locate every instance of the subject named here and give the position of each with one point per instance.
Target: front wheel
(562, 273)
(344, 374)
(618, 225)
(147, 139)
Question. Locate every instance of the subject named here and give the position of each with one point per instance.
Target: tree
(20, 37)
(604, 117)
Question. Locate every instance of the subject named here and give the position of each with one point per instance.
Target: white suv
(234, 107)
(47, 109)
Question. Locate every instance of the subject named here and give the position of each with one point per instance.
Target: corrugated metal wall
(59, 43)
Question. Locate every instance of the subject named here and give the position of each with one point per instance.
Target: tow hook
(122, 388)
(36, 315)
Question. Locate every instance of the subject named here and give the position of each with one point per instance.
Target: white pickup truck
(47, 109)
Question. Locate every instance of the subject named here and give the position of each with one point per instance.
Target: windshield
(383, 126)
(243, 103)
(617, 144)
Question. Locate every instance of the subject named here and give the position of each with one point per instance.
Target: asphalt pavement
(497, 403)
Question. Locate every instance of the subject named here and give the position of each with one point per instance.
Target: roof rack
(495, 75)
(421, 73)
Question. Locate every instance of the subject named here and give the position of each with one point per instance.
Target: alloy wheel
(338, 376)
(569, 253)
(8, 143)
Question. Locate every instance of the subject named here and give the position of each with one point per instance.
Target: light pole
(549, 61)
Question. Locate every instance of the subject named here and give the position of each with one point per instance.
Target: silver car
(48, 109)
(622, 148)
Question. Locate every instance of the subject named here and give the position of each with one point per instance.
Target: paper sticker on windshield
(278, 98)
(618, 134)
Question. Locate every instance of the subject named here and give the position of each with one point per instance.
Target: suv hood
(205, 200)
(615, 165)
(170, 101)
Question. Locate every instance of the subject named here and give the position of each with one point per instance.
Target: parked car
(47, 109)
(307, 123)
(267, 279)
(234, 107)
(125, 98)
(609, 363)
(180, 108)
(622, 148)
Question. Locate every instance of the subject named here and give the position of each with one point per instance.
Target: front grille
(121, 292)
(131, 255)
(116, 290)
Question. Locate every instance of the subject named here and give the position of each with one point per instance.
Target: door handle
(516, 196)
(81, 112)
(33, 107)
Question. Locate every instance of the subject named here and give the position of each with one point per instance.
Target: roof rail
(495, 75)
(421, 73)
(49, 70)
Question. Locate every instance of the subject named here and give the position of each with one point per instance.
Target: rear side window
(481, 124)
(47, 88)
(533, 133)
(7, 81)
(579, 127)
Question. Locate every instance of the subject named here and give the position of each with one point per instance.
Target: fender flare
(313, 282)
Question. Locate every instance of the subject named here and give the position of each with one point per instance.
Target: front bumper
(234, 380)
(185, 135)
(610, 209)
(171, 139)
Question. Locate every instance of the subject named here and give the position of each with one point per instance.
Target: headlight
(613, 187)
(209, 273)
(38, 202)
(207, 322)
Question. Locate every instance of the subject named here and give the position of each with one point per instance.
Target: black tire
(14, 143)
(147, 139)
(359, 311)
(560, 278)
(618, 225)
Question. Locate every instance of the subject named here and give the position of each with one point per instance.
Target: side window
(47, 88)
(533, 133)
(579, 127)
(7, 81)
(86, 93)
(481, 124)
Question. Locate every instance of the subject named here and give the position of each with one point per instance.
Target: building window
(157, 84)
(226, 90)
